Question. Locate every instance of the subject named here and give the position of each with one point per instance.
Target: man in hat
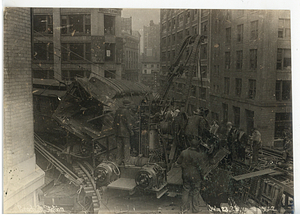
(190, 161)
(123, 130)
(256, 145)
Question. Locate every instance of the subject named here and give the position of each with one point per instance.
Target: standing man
(123, 130)
(256, 145)
(190, 161)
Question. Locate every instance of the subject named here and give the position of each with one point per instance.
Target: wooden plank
(123, 184)
(254, 174)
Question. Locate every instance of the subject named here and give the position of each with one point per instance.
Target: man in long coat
(123, 130)
(190, 161)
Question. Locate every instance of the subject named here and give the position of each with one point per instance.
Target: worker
(190, 161)
(256, 145)
(123, 131)
(197, 126)
(241, 145)
(232, 138)
(214, 127)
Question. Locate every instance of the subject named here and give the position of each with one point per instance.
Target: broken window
(109, 24)
(43, 74)
(110, 51)
(283, 59)
(76, 24)
(252, 89)
(43, 24)
(43, 51)
(76, 51)
(283, 90)
(284, 29)
(254, 30)
(253, 58)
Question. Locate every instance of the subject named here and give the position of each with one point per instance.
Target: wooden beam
(254, 174)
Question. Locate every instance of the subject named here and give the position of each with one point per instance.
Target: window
(238, 87)
(43, 24)
(169, 40)
(169, 55)
(188, 16)
(228, 35)
(252, 89)
(164, 27)
(71, 74)
(284, 28)
(193, 91)
(164, 41)
(180, 19)
(236, 116)
(74, 24)
(226, 85)
(110, 51)
(204, 29)
(169, 25)
(187, 32)
(109, 24)
(203, 54)
(43, 51)
(204, 12)
(76, 51)
(203, 93)
(163, 57)
(195, 30)
(174, 23)
(249, 121)
(110, 74)
(254, 30)
(239, 59)
(174, 37)
(180, 35)
(240, 30)
(227, 60)
(43, 74)
(283, 59)
(145, 71)
(195, 14)
(225, 112)
(283, 121)
(204, 71)
(253, 58)
(283, 90)
(173, 54)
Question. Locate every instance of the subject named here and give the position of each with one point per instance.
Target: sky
(141, 17)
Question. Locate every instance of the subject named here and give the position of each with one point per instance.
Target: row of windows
(284, 31)
(283, 59)
(71, 51)
(178, 20)
(282, 91)
(131, 59)
(66, 74)
(171, 39)
(71, 24)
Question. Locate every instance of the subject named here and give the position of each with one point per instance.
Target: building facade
(70, 42)
(245, 66)
(151, 40)
(177, 24)
(251, 70)
(131, 53)
(150, 72)
(22, 178)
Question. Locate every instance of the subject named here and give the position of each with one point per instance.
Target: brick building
(69, 42)
(177, 24)
(151, 46)
(245, 66)
(251, 70)
(131, 47)
(21, 176)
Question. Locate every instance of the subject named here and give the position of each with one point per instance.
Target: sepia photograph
(144, 111)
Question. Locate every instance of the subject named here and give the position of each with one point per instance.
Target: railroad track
(81, 173)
